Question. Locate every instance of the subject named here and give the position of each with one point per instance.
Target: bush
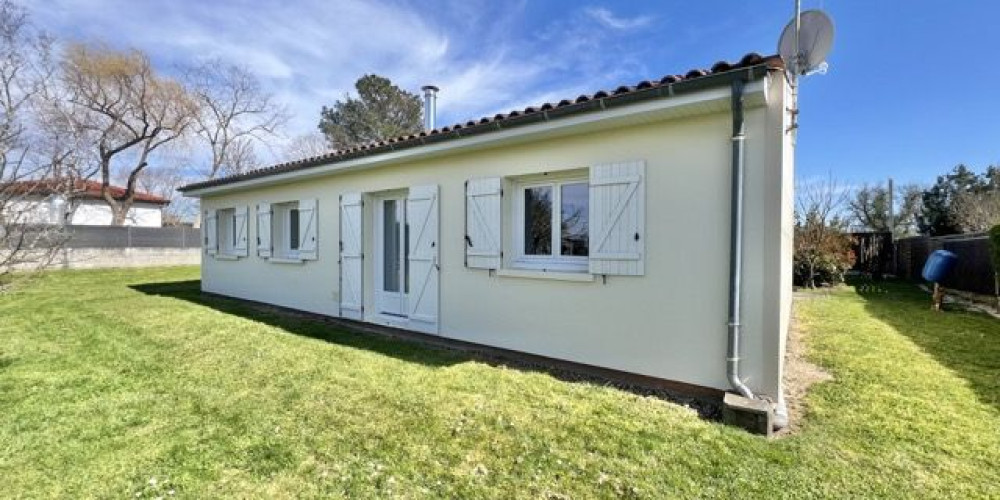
(994, 235)
(823, 255)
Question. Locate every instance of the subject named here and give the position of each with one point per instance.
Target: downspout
(736, 244)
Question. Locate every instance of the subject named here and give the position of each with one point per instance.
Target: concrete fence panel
(82, 247)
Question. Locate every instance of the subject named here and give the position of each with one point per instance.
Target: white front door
(391, 256)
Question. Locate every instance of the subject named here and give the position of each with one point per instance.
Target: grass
(118, 383)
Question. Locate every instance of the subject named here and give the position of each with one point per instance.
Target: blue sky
(911, 91)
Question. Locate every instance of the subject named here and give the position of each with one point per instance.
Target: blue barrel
(938, 265)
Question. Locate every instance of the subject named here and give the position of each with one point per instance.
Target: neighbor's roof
(81, 189)
(594, 102)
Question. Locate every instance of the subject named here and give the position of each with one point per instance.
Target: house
(644, 231)
(53, 202)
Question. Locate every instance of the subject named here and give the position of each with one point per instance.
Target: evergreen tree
(381, 111)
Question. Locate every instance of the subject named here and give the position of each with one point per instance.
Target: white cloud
(310, 52)
(609, 19)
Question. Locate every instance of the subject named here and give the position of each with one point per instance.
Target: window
(587, 220)
(286, 230)
(551, 222)
(293, 229)
(227, 231)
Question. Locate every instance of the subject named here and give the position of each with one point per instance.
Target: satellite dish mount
(805, 42)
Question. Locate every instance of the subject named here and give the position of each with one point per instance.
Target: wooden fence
(973, 271)
(872, 252)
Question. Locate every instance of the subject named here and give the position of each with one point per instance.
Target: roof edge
(751, 67)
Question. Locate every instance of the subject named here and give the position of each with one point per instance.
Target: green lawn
(112, 379)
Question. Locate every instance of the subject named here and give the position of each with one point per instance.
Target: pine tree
(381, 111)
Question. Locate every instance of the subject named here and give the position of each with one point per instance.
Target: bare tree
(822, 247)
(126, 112)
(976, 211)
(26, 169)
(163, 182)
(825, 199)
(869, 207)
(306, 146)
(235, 115)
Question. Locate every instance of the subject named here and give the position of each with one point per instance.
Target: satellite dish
(806, 52)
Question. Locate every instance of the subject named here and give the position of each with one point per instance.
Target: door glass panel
(538, 220)
(391, 246)
(574, 209)
(406, 256)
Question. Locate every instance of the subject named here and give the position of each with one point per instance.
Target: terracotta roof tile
(81, 189)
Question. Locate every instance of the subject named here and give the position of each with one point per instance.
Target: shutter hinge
(468, 241)
(636, 236)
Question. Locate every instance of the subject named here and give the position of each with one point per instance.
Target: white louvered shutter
(422, 217)
(618, 218)
(483, 223)
(240, 222)
(308, 220)
(264, 229)
(210, 232)
(351, 256)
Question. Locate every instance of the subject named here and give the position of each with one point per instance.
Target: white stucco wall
(670, 323)
(97, 213)
(39, 210)
(31, 211)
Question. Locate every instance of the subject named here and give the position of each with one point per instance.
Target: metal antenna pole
(798, 26)
(892, 211)
(794, 77)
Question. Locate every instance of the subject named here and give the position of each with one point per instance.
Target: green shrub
(823, 255)
(994, 235)
(995, 257)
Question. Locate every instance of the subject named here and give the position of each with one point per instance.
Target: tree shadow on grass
(428, 350)
(304, 324)
(967, 343)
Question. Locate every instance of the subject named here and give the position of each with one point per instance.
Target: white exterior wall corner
(670, 323)
(776, 231)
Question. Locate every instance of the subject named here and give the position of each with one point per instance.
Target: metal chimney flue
(430, 107)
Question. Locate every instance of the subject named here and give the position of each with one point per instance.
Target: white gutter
(687, 104)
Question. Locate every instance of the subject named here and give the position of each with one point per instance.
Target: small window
(285, 230)
(293, 229)
(551, 221)
(226, 231)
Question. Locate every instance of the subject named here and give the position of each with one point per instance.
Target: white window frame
(283, 216)
(225, 235)
(553, 262)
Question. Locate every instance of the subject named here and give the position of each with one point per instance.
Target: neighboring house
(597, 230)
(51, 202)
